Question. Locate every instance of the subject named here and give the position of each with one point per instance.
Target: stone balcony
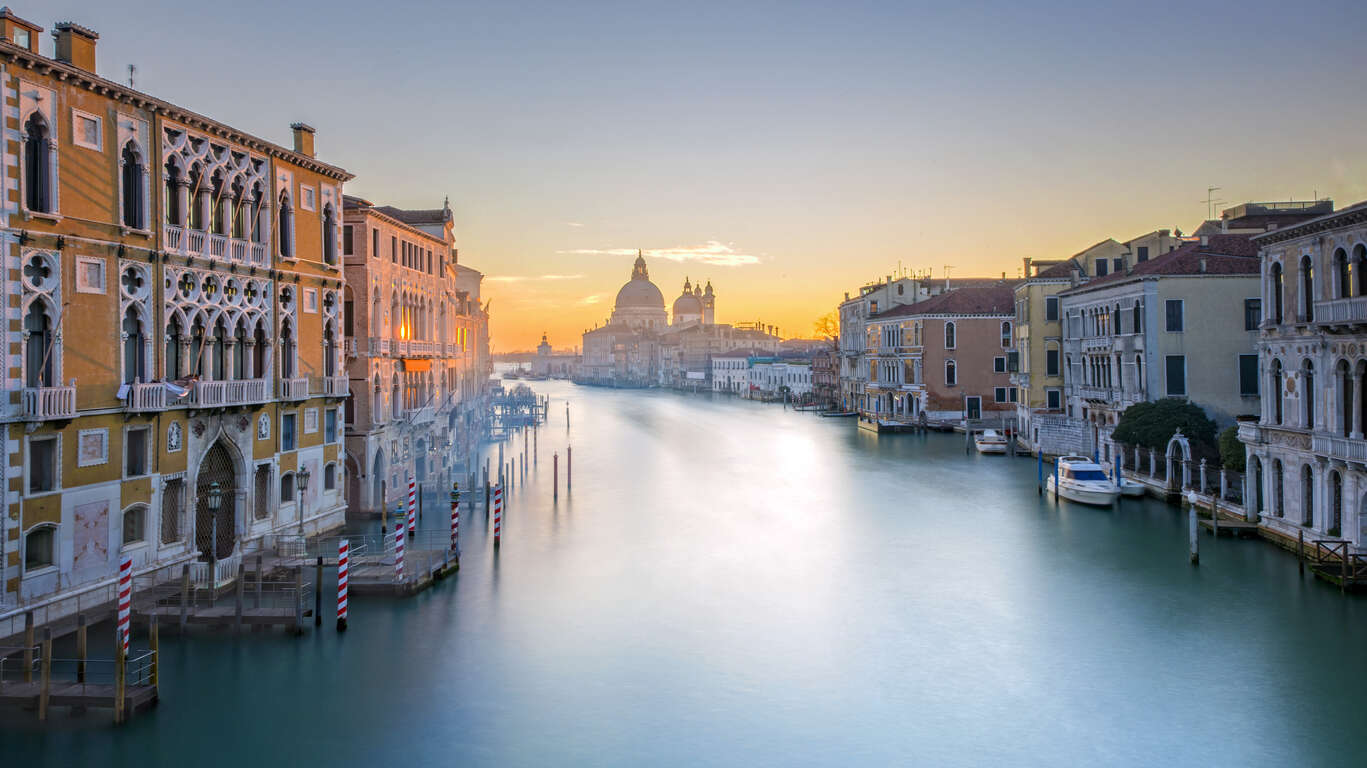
(1336, 447)
(146, 397)
(1098, 344)
(1341, 312)
(335, 386)
(349, 348)
(378, 346)
(219, 394)
(183, 241)
(48, 403)
(294, 389)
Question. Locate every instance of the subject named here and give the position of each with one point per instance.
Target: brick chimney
(75, 45)
(303, 138)
(22, 33)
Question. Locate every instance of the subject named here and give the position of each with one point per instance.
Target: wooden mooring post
(120, 677)
(82, 647)
(260, 575)
(1300, 550)
(555, 475)
(45, 686)
(569, 468)
(154, 641)
(318, 593)
(238, 589)
(299, 594)
(28, 646)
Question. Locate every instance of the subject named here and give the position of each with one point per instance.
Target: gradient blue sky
(813, 145)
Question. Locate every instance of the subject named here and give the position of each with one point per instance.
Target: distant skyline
(787, 151)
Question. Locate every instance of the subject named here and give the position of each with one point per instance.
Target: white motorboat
(990, 441)
(1131, 488)
(1082, 480)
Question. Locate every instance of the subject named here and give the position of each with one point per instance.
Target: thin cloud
(573, 224)
(594, 299)
(711, 253)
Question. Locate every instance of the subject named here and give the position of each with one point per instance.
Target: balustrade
(294, 389)
(45, 403)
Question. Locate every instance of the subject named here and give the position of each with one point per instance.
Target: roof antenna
(1211, 202)
(132, 70)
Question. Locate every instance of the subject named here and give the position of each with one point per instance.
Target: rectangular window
(999, 394)
(375, 243)
(287, 432)
(172, 499)
(1117, 265)
(393, 250)
(330, 425)
(1051, 362)
(999, 365)
(1051, 309)
(1174, 315)
(1053, 399)
(1015, 395)
(348, 244)
(135, 452)
(1177, 375)
(1248, 375)
(42, 464)
(1102, 267)
(1253, 314)
(1143, 253)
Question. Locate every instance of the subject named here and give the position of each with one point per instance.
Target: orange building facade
(174, 294)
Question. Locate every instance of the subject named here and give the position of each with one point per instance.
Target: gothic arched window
(134, 340)
(134, 174)
(329, 234)
(286, 227)
(37, 165)
(38, 343)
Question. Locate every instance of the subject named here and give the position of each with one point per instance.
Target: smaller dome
(687, 305)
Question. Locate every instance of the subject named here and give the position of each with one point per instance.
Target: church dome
(687, 304)
(639, 292)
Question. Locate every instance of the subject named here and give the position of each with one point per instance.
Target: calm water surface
(733, 584)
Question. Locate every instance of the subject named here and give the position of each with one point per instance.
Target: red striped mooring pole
(125, 599)
(412, 506)
(398, 551)
(343, 556)
(455, 517)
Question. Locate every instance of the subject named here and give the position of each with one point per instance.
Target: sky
(786, 151)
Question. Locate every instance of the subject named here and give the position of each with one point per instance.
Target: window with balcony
(42, 464)
(1343, 274)
(40, 548)
(1307, 289)
(286, 351)
(39, 363)
(134, 347)
(38, 182)
(1275, 385)
(1308, 394)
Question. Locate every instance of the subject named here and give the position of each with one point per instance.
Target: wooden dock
(27, 696)
(1233, 528)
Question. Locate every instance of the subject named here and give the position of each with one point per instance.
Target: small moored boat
(1131, 488)
(1084, 481)
(990, 441)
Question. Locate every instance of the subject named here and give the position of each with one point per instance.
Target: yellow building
(1038, 365)
(174, 289)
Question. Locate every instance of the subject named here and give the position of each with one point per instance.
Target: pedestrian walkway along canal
(730, 583)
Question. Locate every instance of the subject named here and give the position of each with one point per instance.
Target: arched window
(1278, 292)
(1139, 372)
(330, 477)
(1308, 394)
(286, 351)
(1344, 374)
(37, 165)
(329, 234)
(329, 349)
(240, 212)
(175, 181)
(194, 197)
(951, 373)
(287, 488)
(38, 347)
(1335, 523)
(216, 202)
(1138, 322)
(40, 547)
(174, 334)
(218, 351)
(376, 400)
(134, 175)
(1360, 269)
(1307, 289)
(1276, 388)
(259, 353)
(1343, 273)
(258, 214)
(286, 227)
(1278, 489)
(1006, 333)
(134, 525)
(240, 349)
(949, 335)
(1307, 496)
(134, 341)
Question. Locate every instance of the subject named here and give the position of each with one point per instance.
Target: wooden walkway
(25, 696)
(1233, 528)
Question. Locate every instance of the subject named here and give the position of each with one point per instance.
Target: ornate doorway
(217, 467)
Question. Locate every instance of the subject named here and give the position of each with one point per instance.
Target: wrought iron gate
(217, 467)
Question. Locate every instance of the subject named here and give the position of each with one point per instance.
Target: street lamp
(215, 501)
(301, 479)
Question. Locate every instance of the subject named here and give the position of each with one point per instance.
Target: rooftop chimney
(303, 138)
(1026, 272)
(75, 44)
(1202, 264)
(22, 33)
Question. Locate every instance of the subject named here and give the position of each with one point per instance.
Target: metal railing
(95, 596)
(44, 403)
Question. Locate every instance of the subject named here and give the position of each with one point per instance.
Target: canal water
(730, 583)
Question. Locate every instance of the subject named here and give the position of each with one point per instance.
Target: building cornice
(64, 72)
(1356, 214)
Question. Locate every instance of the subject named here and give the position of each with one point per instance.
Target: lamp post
(215, 501)
(301, 478)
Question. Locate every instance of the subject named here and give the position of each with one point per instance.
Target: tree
(827, 326)
(1152, 425)
(1231, 450)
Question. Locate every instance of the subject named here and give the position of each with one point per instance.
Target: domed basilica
(641, 306)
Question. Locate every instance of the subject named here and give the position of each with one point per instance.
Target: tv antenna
(1211, 201)
(132, 70)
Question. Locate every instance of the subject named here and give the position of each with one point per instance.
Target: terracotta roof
(1062, 269)
(1208, 227)
(995, 299)
(416, 218)
(1222, 254)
